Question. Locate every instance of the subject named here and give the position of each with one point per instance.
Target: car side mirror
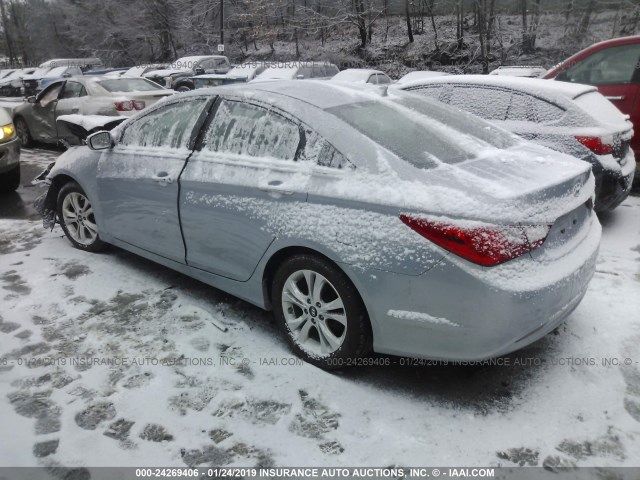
(32, 99)
(199, 70)
(100, 141)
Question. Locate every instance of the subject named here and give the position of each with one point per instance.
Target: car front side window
(610, 66)
(73, 90)
(245, 129)
(430, 92)
(170, 126)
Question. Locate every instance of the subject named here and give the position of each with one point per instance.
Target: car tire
(183, 88)
(329, 327)
(82, 232)
(22, 129)
(10, 181)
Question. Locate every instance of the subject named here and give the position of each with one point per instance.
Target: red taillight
(596, 145)
(485, 245)
(124, 106)
(129, 105)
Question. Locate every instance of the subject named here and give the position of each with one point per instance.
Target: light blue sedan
(366, 220)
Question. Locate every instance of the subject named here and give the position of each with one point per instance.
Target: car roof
(196, 58)
(318, 93)
(364, 71)
(70, 62)
(542, 88)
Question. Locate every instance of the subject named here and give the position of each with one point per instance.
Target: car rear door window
(433, 91)
(547, 112)
(319, 150)
(170, 126)
(487, 103)
(383, 79)
(521, 109)
(246, 129)
(609, 66)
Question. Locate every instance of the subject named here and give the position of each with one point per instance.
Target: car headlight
(7, 132)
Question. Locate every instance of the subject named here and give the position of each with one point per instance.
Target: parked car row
(573, 119)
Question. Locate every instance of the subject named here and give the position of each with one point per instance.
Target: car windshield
(421, 132)
(39, 72)
(129, 85)
(597, 105)
(56, 72)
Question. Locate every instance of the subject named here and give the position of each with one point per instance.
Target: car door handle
(162, 178)
(615, 97)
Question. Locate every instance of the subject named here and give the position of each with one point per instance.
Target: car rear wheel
(77, 218)
(184, 88)
(10, 181)
(22, 129)
(320, 312)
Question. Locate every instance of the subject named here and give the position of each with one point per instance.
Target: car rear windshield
(129, 85)
(422, 132)
(596, 105)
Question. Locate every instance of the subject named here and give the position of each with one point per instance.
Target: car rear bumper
(473, 313)
(613, 187)
(9, 155)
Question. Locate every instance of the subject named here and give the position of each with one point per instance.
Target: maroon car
(613, 67)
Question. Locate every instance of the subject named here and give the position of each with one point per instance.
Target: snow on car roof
(321, 94)
(542, 88)
(355, 75)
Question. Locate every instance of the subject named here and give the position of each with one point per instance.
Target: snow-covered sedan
(571, 118)
(178, 75)
(243, 73)
(363, 220)
(35, 120)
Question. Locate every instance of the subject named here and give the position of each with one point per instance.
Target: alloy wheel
(79, 218)
(314, 313)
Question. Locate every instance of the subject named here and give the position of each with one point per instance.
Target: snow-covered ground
(112, 360)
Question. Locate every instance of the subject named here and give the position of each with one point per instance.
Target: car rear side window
(245, 129)
(320, 151)
(527, 108)
(170, 126)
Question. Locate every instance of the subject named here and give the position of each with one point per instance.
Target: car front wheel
(77, 218)
(22, 130)
(320, 312)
